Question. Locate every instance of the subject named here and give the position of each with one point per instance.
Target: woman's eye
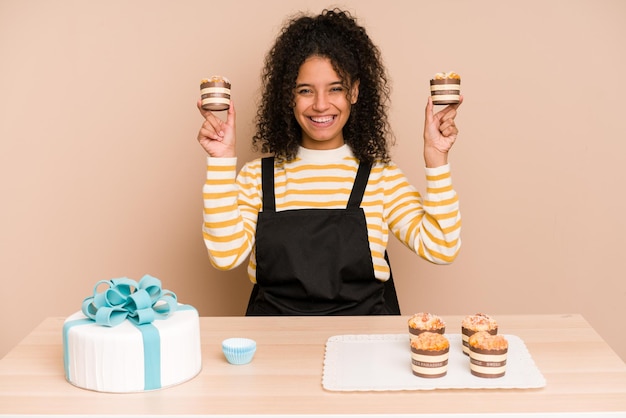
(304, 91)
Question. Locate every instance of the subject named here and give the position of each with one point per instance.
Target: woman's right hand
(216, 136)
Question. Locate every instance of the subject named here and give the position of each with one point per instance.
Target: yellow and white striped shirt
(430, 226)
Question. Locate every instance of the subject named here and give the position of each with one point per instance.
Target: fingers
(443, 121)
(231, 114)
(213, 127)
(448, 128)
(447, 125)
(448, 113)
(429, 110)
(443, 113)
(217, 134)
(203, 112)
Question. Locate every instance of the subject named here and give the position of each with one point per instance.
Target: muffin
(423, 322)
(473, 323)
(488, 354)
(215, 93)
(429, 355)
(445, 88)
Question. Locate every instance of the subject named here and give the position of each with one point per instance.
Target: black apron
(316, 261)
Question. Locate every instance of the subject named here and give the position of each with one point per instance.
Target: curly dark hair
(334, 34)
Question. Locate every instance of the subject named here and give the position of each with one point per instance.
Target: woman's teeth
(324, 119)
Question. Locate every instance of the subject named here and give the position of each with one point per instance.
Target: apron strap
(267, 183)
(392, 305)
(358, 189)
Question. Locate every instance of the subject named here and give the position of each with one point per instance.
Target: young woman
(315, 218)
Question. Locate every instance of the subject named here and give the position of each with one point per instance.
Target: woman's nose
(320, 102)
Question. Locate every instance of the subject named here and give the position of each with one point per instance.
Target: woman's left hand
(440, 133)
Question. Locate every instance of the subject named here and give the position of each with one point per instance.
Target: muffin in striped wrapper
(488, 354)
(215, 93)
(445, 88)
(429, 355)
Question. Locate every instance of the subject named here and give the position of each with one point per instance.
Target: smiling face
(322, 104)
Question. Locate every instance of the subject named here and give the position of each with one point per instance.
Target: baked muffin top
(485, 341)
(215, 79)
(426, 321)
(430, 341)
(479, 322)
(450, 75)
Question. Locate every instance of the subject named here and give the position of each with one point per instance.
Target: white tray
(383, 362)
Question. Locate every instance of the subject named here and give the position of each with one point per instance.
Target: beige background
(100, 174)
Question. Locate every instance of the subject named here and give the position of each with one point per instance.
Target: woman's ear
(354, 92)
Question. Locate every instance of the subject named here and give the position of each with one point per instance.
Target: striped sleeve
(429, 225)
(230, 213)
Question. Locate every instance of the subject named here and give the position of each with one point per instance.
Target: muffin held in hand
(445, 88)
(488, 354)
(429, 355)
(215, 93)
(472, 324)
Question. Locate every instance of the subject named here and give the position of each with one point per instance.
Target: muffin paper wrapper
(382, 362)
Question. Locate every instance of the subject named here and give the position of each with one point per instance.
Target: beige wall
(100, 174)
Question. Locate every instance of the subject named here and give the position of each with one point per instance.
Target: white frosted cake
(147, 342)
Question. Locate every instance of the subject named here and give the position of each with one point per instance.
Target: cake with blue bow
(131, 336)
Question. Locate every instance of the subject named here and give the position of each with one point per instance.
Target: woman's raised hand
(440, 133)
(217, 136)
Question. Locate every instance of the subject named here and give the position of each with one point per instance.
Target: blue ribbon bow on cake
(140, 303)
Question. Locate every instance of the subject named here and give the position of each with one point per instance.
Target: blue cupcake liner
(239, 350)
